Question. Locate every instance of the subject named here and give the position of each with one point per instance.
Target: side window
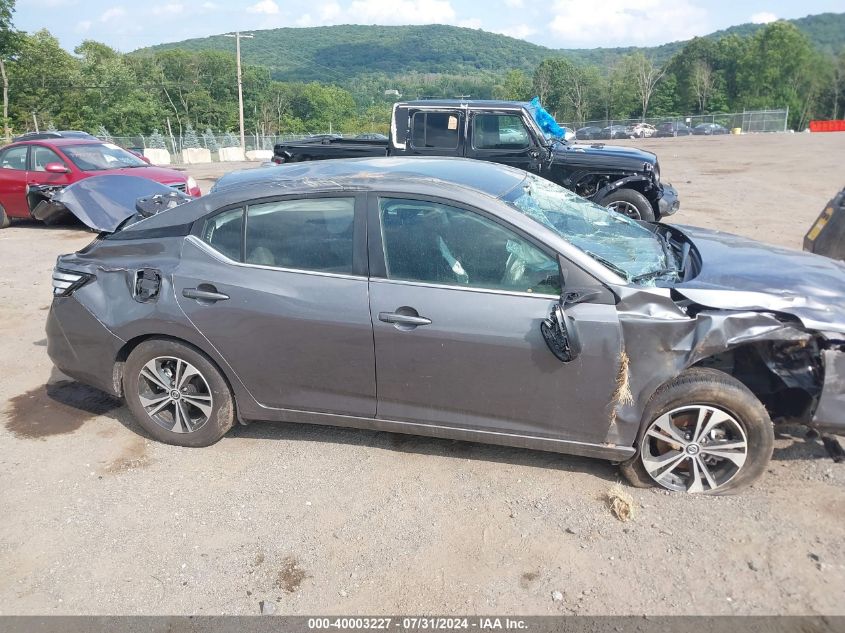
(224, 233)
(41, 156)
(14, 158)
(435, 130)
(312, 234)
(435, 243)
(499, 131)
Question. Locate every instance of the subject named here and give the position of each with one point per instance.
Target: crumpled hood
(104, 202)
(743, 274)
(608, 155)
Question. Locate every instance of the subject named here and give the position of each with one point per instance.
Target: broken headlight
(66, 281)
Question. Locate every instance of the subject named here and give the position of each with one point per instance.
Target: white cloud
(112, 14)
(626, 22)
(514, 4)
(330, 11)
(764, 17)
(267, 7)
(210, 6)
(83, 26)
(171, 8)
(470, 23)
(519, 31)
(401, 12)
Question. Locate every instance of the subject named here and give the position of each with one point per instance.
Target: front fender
(622, 183)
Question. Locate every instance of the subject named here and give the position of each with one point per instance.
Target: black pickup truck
(622, 178)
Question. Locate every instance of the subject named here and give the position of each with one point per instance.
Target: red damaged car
(32, 171)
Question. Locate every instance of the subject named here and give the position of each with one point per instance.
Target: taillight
(66, 281)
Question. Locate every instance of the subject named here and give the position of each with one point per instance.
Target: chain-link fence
(751, 121)
(213, 142)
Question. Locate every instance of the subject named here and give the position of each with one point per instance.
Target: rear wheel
(4, 218)
(177, 394)
(705, 432)
(630, 203)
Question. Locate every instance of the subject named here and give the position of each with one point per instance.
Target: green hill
(339, 54)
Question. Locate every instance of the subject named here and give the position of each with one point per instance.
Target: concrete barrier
(231, 154)
(259, 154)
(157, 156)
(194, 155)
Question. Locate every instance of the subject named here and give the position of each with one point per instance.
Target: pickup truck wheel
(631, 203)
(4, 218)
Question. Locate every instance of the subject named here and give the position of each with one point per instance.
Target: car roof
(470, 103)
(60, 142)
(492, 179)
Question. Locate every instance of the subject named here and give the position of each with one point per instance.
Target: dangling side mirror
(561, 335)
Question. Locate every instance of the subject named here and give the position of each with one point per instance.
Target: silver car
(448, 298)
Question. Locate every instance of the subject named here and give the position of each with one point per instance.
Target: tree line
(776, 67)
(97, 87)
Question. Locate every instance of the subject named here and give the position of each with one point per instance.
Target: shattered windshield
(620, 244)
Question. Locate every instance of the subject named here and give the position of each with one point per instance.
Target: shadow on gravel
(453, 449)
(803, 445)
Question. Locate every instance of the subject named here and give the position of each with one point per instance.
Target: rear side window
(435, 130)
(14, 158)
(224, 233)
(313, 234)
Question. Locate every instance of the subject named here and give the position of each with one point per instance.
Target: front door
(456, 322)
(280, 290)
(39, 157)
(502, 138)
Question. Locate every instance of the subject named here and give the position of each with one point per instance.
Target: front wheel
(177, 394)
(630, 203)
(704, 432)
(4, 218)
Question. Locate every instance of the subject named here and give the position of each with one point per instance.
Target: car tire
(720, 397)
(5, 221)
(199, 415)
(630, 203)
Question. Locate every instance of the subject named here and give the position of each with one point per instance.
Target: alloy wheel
(695, 448)
(175, 394)
(625, 208)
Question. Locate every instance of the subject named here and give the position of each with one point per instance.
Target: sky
(129, 24)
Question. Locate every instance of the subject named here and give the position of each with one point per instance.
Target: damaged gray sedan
(456, 299)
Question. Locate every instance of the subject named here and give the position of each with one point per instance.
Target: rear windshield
(101, 156)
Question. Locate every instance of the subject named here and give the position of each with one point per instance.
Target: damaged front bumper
(830, 412)
(668, 203)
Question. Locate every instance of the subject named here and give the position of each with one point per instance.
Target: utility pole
(238, 35)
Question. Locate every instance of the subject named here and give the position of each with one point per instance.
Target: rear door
(457, 300)
(436, 133)
(502, 137)
(13, 165)
(279, 288)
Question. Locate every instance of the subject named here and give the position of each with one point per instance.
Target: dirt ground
(99, 519)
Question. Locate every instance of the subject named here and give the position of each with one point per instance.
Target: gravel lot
(98, 519)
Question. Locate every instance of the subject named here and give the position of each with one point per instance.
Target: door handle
(204, 295)
(403, 319)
